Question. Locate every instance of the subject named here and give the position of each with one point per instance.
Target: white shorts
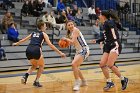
(83, 52)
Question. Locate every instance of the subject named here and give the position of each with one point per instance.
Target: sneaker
(108, 86)
(37, 84)
(23, 80)
(76, 86)
(124, 83)
(84, 83)
(5, 58)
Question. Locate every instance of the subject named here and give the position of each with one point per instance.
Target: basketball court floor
(60, 80)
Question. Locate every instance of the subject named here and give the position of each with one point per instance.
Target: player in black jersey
(34, 52)
(111, 49)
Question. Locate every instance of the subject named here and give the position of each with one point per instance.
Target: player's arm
(22, 40)
(97, 40)
(74, 37)
(47, 40)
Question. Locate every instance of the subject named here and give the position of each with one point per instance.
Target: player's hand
(15, 44)
(63, 55)
(93, 41)
(64, 38)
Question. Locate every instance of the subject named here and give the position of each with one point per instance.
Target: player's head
(70, 25)
(104, 16)
(41, 25)
(108, 15)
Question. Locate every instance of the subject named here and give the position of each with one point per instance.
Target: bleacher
(16, 54)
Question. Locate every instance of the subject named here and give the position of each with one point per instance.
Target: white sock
(122, 77)
(37, 80)
(109, 80)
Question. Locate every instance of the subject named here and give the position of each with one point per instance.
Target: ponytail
(110, 14)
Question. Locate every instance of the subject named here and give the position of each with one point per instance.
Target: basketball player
(75, 37)
(111, 49)
(34, 52)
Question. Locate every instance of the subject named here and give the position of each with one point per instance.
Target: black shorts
(33, 52)
(108, 47)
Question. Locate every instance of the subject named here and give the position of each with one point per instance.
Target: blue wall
(102, 4)
(106, 4)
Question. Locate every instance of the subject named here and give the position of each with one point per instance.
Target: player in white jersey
(75, 37)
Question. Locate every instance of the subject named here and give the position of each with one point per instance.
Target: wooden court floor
(62, 81)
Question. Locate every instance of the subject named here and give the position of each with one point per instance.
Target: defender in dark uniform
(34, 52)
(111, 49)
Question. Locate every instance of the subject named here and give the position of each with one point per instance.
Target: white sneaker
(76, 85)
(83, 83)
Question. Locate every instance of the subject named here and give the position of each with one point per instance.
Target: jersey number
(36, 35)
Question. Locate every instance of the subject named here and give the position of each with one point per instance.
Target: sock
(37, 80)
(122, 77)
(26, 75)
(109, 80)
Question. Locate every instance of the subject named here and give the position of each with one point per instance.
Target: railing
(54, 29)
(53, 33)
(139, 45)
(20, 18)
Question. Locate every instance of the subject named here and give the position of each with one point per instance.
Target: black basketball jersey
(108, 35)
(37, 38)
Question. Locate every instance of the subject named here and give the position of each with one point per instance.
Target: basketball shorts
(33, 52)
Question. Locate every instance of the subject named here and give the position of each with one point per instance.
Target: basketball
(63, 43)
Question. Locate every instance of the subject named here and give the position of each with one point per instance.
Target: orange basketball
(63, 43)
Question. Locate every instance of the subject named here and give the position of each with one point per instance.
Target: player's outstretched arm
(22, 40)
(47, 40)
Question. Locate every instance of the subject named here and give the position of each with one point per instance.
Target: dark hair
(114, 16)
(12, 24)
(110, 14)
(40, 23)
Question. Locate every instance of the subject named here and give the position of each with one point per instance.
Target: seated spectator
(1, 27)
(70, 17)
(7, 19)
(45, 19)
(12, 33)
(79, 18)
(96, 30)
(98, 11)
(25, 8)
(63, 17)
(60, 6)
(92, 14)
(39, 7)
(8, 4)
(52, 20)
(75, 10)
(2, 53)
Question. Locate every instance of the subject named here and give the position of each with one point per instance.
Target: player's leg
(103, 65)
(39, 72)
(78, 59)
(33, 63)
(111, 60)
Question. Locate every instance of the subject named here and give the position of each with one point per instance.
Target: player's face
(44, 27)
(101, 18)
(70, 26)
